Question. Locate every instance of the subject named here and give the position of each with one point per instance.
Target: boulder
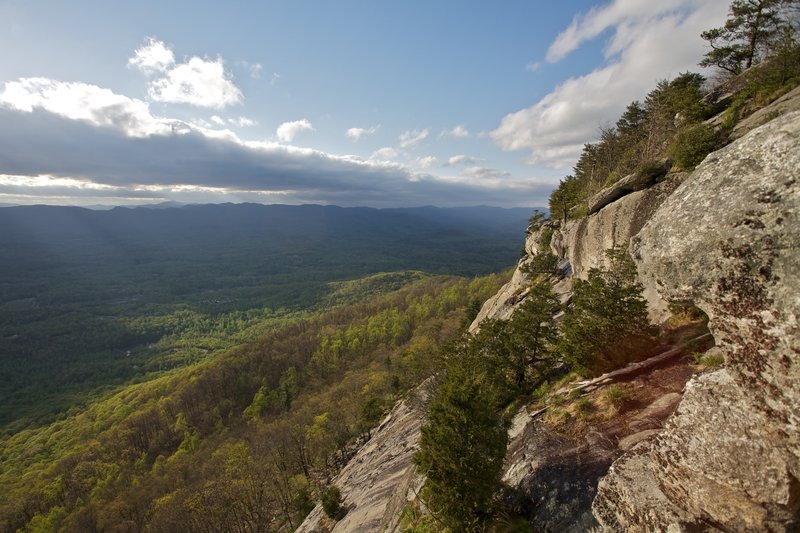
(727, 241)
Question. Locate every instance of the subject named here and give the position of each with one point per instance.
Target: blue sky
(342, 102)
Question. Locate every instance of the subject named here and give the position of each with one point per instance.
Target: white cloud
(154, 56)
(461, 159)
(87, 133)
(216, 119)
(255, 70)
(385, 153)
(412, 137)
(287, 131)
(357, 133)
(275, 78)
(242, 122)
(458, 132)
(533, 66)
(87, 103)
(198, 81)
(426, 161)
(651, 40)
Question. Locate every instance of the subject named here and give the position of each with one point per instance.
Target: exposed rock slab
(638, 181)
(502, 305)
(511, 295)
(380, 478)
(726, 240)
(584, 242)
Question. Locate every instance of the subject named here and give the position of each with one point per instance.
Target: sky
(346, 102)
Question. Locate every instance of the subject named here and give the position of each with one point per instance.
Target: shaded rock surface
(582, 243)
(726, 240)
(555, 475)
(381, 477)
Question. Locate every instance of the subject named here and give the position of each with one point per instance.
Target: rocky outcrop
(380, 479)
(502, 305)
(727, 241)
(554, 473)
(787, 103)
(638, 181)
(584, 242)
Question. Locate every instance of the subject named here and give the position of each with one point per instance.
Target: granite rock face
(638, 181)
(381, 478)
(584, 242)
(728, 241)
(502, 305)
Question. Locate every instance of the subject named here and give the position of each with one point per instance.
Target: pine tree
(606, 326)
(463, 442)
(751, 28)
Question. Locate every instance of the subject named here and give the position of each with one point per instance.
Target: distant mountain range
(192, 248)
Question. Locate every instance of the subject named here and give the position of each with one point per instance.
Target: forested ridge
(92, 300)
(754, 57)
(244, 440)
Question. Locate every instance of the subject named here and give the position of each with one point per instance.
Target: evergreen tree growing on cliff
(464, 441)
(606, 326)
(752, 27)
(524, 345)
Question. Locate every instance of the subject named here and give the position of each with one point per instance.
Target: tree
(463, 442)
(331, 499)
(749, 32)
(525, 341)
(564, 198)
(606, 326)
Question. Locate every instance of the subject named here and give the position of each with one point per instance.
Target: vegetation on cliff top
(759, 53)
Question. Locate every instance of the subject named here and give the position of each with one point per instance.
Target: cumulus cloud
(412, 137)
(386, 152)
(102, 147)
(88, 103)
(357, 133)
(153, 56)
(650, 40)
(287, 131)
(198, 81)
(458, 132)
(461, 159)
(426, 161)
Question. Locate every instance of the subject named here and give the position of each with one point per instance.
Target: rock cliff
(723, 238)
(380, 478)
(726, 240)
